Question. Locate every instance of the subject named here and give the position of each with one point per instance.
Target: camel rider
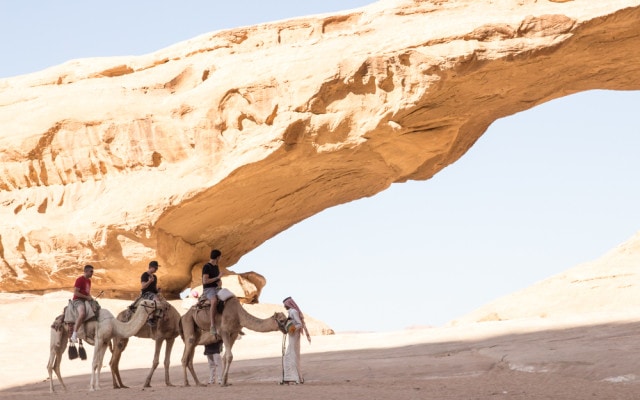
(149, 286)
(81, 293)
(149, 282)
(211, 285)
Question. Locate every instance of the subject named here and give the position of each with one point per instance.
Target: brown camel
(167, 329)
(194, 327)
(97, 333)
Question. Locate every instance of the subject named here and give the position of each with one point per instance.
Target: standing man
(81, 293)
(212, 351)
(211, 285)
(291, 371)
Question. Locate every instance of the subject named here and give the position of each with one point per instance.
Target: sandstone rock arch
(192, 147)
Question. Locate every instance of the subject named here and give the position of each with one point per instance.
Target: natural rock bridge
(227, 139)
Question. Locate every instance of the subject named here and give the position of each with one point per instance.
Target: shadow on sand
(598, 361)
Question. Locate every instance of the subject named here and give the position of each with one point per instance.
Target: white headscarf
(289, 302)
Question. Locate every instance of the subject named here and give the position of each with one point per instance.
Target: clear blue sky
(541, 191)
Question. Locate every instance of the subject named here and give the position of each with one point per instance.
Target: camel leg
(187, 363)
(226, 362)
(94, 362)
(184, 366)
(98, 357)
(58, 344)
(228, 341)
(154, 365)
(52, 360)
(119, 345)
(187, 355)
(191, 368)
(98, 365)
(190, 336)
(57, 369)
(167, 360)
(53, 365)
(53, 349)
(183, 361)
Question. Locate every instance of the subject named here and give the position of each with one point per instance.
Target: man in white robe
(292, 373)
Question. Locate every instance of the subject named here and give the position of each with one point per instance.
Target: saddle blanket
(71, 314)
(225, 294)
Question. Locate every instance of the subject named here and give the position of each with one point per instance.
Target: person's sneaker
(74, 337)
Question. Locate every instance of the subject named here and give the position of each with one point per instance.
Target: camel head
(149, 306)
(281, 319)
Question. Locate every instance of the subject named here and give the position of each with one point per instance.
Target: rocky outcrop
(227, 139)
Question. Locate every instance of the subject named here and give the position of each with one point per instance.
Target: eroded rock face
(227, 139)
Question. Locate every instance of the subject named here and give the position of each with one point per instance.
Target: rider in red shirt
(81, 293)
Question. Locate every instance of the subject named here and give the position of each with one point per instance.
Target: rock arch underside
(231, 137)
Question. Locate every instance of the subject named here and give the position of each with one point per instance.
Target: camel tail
(180, 329)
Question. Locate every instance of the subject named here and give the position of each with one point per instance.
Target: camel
(167, 329)
(97, 333)
(234, 317)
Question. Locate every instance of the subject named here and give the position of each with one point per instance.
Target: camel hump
(58, 322)
(125, 315)
(132, 307)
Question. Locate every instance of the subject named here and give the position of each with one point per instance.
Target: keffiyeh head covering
(289, 302)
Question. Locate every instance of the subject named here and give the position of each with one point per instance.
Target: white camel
(98, 333)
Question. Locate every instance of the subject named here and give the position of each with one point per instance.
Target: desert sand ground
(588, 357)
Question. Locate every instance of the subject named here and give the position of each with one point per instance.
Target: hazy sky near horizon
(541, 191)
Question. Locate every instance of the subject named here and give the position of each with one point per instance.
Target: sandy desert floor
(526, 359)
